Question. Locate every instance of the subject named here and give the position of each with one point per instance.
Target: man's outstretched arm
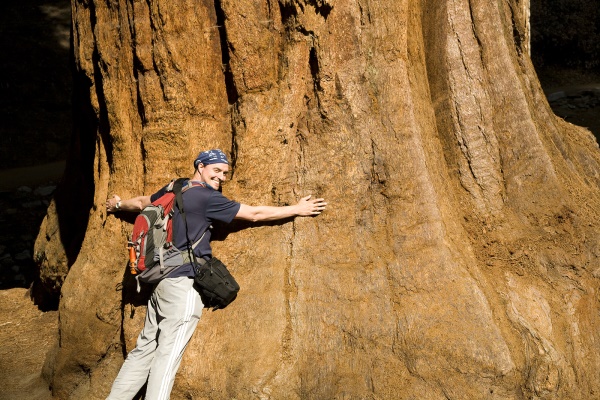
(306, 207)
(135, 204)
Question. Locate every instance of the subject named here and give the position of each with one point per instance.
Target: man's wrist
(296, 210)
(118, 205)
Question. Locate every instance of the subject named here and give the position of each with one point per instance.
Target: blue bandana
(214, 156)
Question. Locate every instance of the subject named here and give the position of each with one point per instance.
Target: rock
(32, 204)
(27, 238)
(24, 189)
(556, 96)
(23, 255)
(44, 190)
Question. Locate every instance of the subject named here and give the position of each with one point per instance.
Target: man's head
(214, 156)
(212, 167)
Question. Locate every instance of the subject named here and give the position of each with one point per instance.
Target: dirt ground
(26, 334)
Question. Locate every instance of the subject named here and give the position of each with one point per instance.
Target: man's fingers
(314, 206)
(314, 201)
(319, 206)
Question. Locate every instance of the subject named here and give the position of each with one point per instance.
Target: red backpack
(152, 255)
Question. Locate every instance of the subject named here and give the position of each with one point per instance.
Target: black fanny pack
(215, 284)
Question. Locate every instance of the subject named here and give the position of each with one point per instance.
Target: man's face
(214, 174)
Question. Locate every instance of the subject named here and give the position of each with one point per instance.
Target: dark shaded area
(322, 7)
(47, 116)
(22, 212)
(313, 62)
(288, 14)
(36, 126)
(565, 50)
(565, 33)
(35, 82)
(75, 194)
(232, 92)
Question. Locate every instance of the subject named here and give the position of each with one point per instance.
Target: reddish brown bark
(458, 256)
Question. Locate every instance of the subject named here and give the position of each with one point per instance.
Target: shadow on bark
(74, 195)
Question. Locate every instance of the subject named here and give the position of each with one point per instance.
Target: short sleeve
(158, 194)
(220, 208)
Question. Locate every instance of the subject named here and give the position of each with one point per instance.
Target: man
(175, 307)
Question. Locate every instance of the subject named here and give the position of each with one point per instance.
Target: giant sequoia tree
(458, 258)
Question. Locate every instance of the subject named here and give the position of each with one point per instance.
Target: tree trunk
(458, 257)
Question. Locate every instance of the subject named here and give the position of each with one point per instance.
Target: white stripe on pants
(174, 310)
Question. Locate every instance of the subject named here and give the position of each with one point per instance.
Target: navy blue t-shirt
(203, 205)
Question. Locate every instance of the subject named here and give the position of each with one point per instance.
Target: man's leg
(134, 371)
(179, 307)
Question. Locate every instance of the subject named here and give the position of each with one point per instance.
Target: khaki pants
(174, 310)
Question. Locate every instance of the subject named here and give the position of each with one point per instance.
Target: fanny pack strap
(186, 256)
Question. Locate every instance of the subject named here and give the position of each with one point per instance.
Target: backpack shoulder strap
(178, 188)
(191, 184)
(176, 185)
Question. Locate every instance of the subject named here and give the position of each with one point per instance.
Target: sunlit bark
(458, 255)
